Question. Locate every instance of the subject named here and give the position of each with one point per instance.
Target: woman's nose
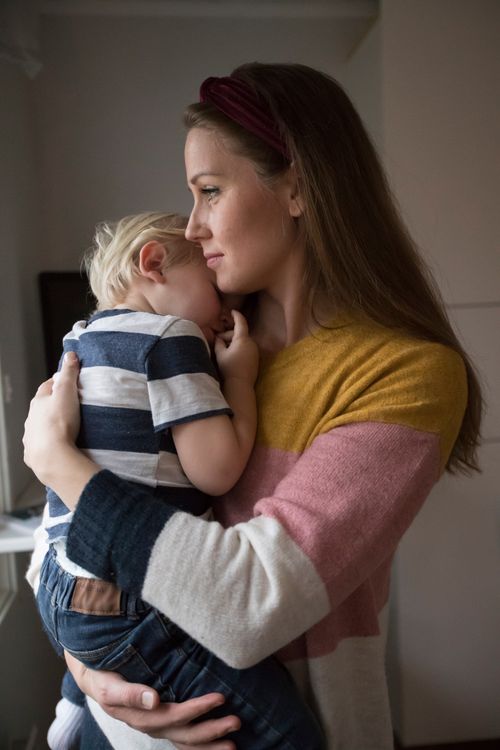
(196, 229)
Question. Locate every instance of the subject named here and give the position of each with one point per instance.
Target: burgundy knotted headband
(238, 101)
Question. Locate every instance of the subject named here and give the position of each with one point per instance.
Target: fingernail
(147, 700)
(70, 357)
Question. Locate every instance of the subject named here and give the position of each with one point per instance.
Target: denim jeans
(144, 646)
(91, 737)
(71, 691)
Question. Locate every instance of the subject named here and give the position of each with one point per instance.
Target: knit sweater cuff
(114, 529)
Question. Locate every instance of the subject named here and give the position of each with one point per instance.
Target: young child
(154, 412)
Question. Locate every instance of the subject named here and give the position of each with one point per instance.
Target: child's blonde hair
(113, 260)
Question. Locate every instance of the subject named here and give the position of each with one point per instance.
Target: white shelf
(13, 539)
(17, 535)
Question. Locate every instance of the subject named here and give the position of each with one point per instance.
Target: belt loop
(128, 604)
(134, 606)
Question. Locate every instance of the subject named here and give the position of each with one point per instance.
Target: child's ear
(152, 259)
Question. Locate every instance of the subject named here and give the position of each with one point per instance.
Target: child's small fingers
(240, 324)
(225, 336)
(219, 345)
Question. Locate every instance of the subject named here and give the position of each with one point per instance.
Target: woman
(365, 398)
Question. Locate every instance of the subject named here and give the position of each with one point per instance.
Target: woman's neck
(282, 313)
(280, 323)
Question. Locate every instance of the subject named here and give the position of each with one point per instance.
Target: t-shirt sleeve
(181, 378)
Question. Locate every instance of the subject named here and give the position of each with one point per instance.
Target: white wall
(30, 671)
(361, 76)
(109, 108)
(19, 252)
(441, 117)
(441, 72)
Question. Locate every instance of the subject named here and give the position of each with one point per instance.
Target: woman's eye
(210, 192)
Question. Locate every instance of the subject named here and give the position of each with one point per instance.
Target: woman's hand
(139, 707)
(50, 432)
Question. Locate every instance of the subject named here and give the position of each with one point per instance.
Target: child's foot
(64, 731)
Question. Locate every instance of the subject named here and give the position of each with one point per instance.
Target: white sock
(64, 731)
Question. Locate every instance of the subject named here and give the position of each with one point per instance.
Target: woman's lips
(213, 259)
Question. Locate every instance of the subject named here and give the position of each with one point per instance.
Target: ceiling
(348, 20)
(364, 10)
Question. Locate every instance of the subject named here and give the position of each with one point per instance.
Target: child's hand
(237, 354)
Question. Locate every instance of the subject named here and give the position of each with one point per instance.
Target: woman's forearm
(262, 583)
(123, 534)
(68, 473)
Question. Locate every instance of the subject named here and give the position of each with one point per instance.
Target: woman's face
(246, 228)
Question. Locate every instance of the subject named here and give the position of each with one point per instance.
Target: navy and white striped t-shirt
(140, 374)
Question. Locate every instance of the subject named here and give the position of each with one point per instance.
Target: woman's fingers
(139, 707)
(70, 365)
(67, 376)
(53, 420)
(111, 689)
(172, 721)
(209, 734)
(45, 388)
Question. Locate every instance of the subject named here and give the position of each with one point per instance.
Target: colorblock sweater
(356, 424)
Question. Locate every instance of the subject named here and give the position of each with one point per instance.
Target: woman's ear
(295, 202)
(152, 260)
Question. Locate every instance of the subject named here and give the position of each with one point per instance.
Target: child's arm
(214, 451)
